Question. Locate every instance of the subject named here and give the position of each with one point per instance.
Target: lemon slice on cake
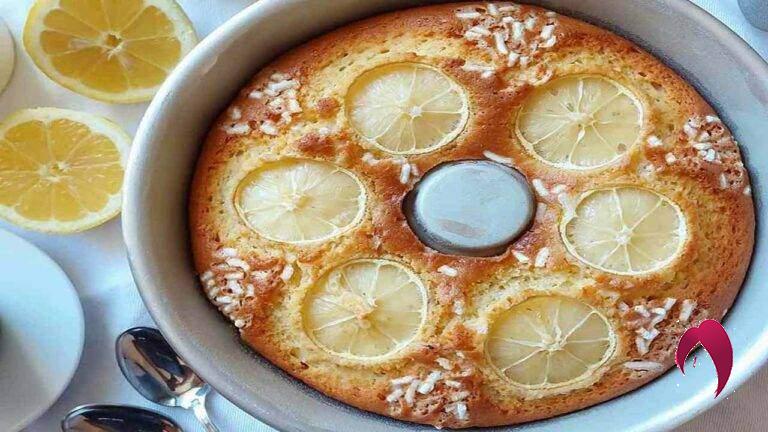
(580, 122)
(625, 230)
(407, 108)
(60, 171)
(301, 201)
(117, 51)
(365, 309)
(549, 342)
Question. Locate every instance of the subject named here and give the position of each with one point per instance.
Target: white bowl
(725, 70)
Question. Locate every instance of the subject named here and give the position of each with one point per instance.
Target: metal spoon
(156, 371)
(113, 418)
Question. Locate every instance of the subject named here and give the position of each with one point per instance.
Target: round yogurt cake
(643, 226)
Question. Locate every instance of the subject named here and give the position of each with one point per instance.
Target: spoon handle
(198, 407)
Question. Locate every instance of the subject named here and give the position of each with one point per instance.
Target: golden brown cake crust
(704, 278)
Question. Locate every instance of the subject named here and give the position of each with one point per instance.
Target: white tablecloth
(96, 260)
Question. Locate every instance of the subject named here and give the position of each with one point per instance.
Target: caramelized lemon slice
(365, 309)
(301, 201)
(580, 122)
(60, 171)
(407, 108)
(548, 342)
(625, 230)
(116, 51)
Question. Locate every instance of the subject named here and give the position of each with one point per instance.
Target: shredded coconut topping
(436, 388)
(396, 394)
(237, 262)
(369, 158)
(410, 393)
(521, 257)
(643, 317)
(559, 189)
(714, 147)
(646, 170)
(540, 188)
(511, 36)
(405, 173)
(448, 271)
(280, 96)
(452, 384)
(227, 285)
(541, 211)
(723, 181)
(642, 311)
(226, 253)
(654, 141)
(458, 307)
(206, 276)
(461, 411)
(429, 383)
(542, 257)
(237, 129)
(486, 71)
(287, 272)
(497, 158)
(234, 276)
(669, 303)
(268, 127)
(468, 15)
(444, 363)
(686, 310)
(648, 366)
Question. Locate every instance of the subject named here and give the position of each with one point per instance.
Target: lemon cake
(641, 218)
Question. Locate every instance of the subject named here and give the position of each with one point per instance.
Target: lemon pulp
(7, 55)
(580, 121)
(301, 200)
(547, 342)
(111, 50)
(365, 309)
(407, 108)
(60, 170)
(625, 230)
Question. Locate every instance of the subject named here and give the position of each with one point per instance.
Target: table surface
(97, 264)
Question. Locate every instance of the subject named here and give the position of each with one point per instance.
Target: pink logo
(713, 337)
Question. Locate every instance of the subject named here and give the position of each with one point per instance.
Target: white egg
(7, 55)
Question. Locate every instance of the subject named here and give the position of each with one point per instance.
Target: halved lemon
(407, 108)
(60, 171)
(117, 51)
(625, 230)
(365, 309)
(549, 342)
(7, 55)
(580, 122)
(300, 201)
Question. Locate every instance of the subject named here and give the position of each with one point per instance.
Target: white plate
(41, 332)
